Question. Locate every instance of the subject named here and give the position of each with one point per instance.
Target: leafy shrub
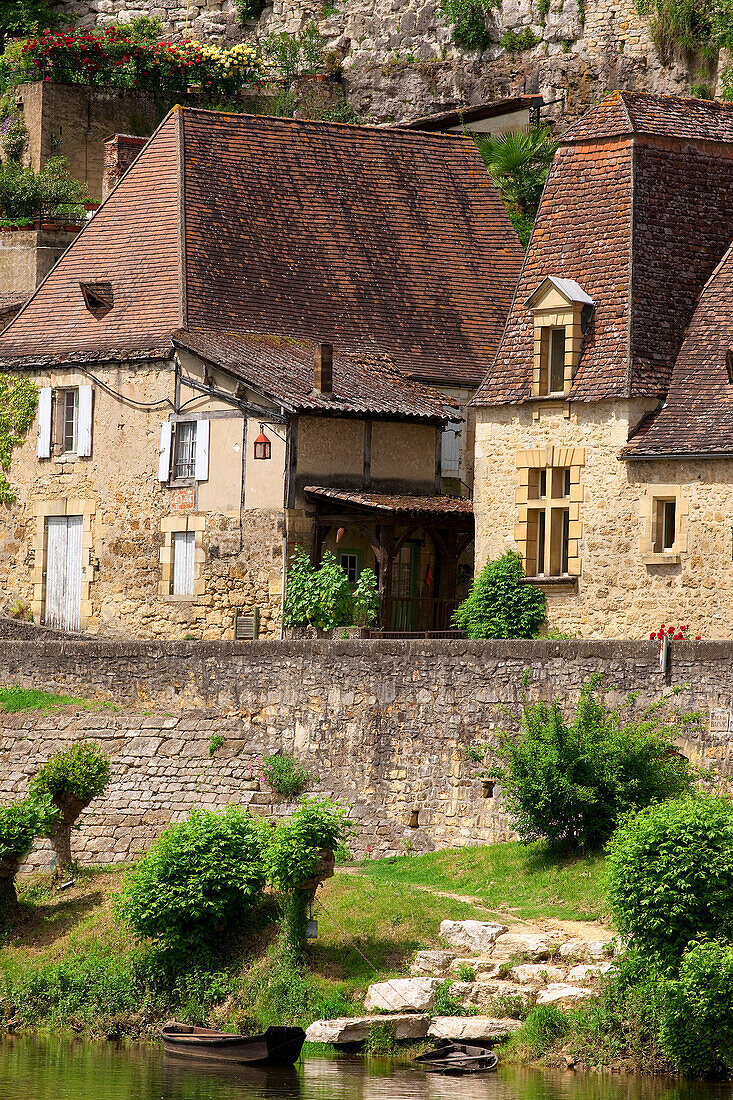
(276, 992)
(570, 782)
(466, 973)
(21, 823)
(697, 1021)
(81, 772)
(671, 875)
(216, 742)
(249, 9)
(446, 1004)
(693, 26)
(500, 604)
(517, 41)
(293, 55)
(468, 18)
(543, 1028)
(323, 598)
(199, 879)
(286, 775)
(19, 17)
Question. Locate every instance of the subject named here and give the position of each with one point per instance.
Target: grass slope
(14, 699)
(513, 879)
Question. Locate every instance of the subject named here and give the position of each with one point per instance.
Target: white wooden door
(63, 572)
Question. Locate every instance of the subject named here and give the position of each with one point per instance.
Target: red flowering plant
(674, 633)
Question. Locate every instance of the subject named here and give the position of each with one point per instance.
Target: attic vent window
(98, 297)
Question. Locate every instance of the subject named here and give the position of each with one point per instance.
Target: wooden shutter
(202, 450)
(45, 396)
(450, 464)
(164, 452)
(183, 559)
(84, 422)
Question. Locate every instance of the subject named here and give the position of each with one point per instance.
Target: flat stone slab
(585, 949)
(561, 991)
(588, 971)
(481, 994)
(356, 1029)
(476, 1028)
(537, 974)
(470, 935)
(432, 964)
(483, 968)
(535, 946)
(402, 995)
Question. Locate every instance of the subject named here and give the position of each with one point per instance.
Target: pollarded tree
(71, 778)
(20, 824)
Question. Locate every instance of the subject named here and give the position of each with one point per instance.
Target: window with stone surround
(181, 557)
(664, 525)
(548, 527)
(561, 311)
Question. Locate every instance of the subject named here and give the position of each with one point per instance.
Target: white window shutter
(164, 460)
(43, 449)
(451, 451)
(84, 422)
(202, 450)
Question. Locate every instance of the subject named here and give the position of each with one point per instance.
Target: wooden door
(63, 572)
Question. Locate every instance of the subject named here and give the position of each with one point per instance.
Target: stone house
(256, 341)
(603, 429)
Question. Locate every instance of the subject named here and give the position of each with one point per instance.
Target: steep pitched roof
(697, 417)
(282, 368)
(379, 241)
(639, 219)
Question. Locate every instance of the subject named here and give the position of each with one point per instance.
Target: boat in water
(451, 1057)
(278, 1046)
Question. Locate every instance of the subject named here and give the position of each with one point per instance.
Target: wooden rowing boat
(452, 1057)
(278, 1046)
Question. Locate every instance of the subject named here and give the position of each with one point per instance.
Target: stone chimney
(323, 369)
(120, 152)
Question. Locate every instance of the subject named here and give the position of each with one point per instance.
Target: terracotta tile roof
(639, 219)
(13, 300)
(283, 369)
(372, 239)
(697, 417)
(385, 502)
(641, 113)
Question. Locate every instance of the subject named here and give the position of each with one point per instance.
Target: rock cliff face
(400, 61)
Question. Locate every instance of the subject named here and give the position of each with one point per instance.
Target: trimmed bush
(671, 875)
(71, 778)
(500, 603)
(199, 880)
(286, 775)
(20, 824)
(570, 781)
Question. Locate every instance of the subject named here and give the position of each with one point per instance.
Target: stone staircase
(491, 967)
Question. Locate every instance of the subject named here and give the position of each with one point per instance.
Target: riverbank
(68, 963)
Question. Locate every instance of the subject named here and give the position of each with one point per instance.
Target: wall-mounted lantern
(263, 446)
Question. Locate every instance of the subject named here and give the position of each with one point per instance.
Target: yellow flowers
(241, 60)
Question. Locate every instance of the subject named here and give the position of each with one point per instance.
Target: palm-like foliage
(518, 162)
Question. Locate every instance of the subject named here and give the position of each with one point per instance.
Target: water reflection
(38, 1069)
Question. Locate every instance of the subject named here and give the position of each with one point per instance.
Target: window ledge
(564, 583)
(667, 558)
(181, 483)
(178, 599)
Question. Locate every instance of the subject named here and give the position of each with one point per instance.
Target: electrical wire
(121, 396)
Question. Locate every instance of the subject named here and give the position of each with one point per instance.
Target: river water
(41, 1069)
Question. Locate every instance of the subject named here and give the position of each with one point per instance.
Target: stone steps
(343, 1032)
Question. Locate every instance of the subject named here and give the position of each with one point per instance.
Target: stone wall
(399, 59)
(384, 724)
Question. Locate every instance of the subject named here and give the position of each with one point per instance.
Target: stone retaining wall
(384, 724)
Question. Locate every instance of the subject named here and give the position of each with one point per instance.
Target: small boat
(278, 1046)
(452, 1057)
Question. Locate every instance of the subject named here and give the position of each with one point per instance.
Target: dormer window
(561, 310)
(98, 297)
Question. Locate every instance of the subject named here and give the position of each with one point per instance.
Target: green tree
(19, 18)
(519, 163)
(23, 192)
(20, 824)
(670, 871)
(500, 603)
(71, 778)
(201, 879)
(299, 856)
(570, 782)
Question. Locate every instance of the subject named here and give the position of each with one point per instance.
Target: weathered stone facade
(399, 59)
(384, 724)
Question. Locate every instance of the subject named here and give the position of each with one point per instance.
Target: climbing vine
(18, 400)
(468, 18)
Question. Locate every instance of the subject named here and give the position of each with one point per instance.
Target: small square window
(66, 421)
(184, 450)
(349, 562)
(561, 482)
(537, 484)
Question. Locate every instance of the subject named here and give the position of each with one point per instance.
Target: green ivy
(543, 10)
(517, 41)
(468, 18)
(18, 401)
